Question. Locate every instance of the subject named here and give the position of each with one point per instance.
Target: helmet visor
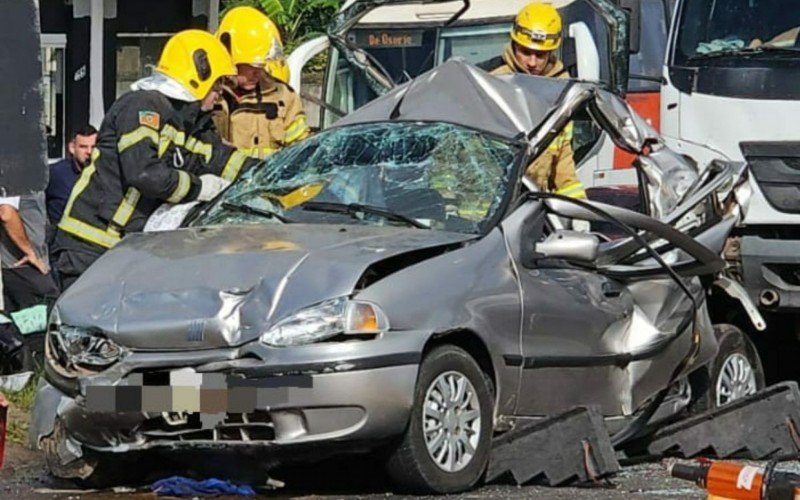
(275, 51)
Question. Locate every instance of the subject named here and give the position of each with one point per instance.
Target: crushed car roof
(459, 93)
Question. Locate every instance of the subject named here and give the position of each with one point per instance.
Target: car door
(609, 330)
(567, 314)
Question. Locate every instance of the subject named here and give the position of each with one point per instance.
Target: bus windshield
(406, 50)
(406, 54)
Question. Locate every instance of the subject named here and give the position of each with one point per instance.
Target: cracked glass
(429, 175)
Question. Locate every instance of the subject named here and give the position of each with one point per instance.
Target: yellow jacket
(554, 169)
(262, 121)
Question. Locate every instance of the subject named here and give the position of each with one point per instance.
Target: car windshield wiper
(247, 209)
(356, 208)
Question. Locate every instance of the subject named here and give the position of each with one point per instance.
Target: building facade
(92, 50)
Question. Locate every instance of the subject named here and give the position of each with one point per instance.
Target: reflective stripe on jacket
(262, 121)
(150, 150)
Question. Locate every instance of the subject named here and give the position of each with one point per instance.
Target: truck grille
(776, 168)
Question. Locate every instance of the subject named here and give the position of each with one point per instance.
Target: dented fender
(49, 401)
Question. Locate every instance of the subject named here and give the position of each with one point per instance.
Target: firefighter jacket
(554, 169)
(150, 150)
(262, 121)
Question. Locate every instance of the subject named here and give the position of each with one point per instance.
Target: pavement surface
(24, 477)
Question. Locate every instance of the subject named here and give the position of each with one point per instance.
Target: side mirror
(570, 245)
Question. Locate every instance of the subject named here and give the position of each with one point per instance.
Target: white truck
(731, 88)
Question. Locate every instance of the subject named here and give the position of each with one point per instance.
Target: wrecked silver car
(394, 283)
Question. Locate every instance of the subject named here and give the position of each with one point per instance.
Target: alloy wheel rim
(451, 421)
(736, 379)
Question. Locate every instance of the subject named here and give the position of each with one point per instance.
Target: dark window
(716, 26)
(645, 65)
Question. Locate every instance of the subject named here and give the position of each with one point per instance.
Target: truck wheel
(446, 445)
(736, 371)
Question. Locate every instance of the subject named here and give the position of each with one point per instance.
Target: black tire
(410, 466)
(732, 342)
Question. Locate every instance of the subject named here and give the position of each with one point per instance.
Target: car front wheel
(446, 445)
(735, 373)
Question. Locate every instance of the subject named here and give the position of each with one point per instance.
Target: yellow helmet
(196, 60)
(537, 27)
(252, 38)
(278, 69)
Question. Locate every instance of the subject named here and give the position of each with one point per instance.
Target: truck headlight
(325, 320)
(79, 347)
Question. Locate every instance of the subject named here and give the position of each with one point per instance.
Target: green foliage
(21, 406)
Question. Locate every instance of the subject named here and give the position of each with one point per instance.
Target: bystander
(23, 255)
(64, 173)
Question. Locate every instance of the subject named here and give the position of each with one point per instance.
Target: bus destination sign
(380, 39)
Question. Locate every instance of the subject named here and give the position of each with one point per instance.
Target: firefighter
(156, 144)
(261, 113)
(535, 37)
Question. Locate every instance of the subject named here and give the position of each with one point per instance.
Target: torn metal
(507, 107)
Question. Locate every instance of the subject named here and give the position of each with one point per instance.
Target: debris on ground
(765, 425)
(178, 486)
(63, 491)
(15, 382)
(571, 447)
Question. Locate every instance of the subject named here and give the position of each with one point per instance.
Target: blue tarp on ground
(178, 486)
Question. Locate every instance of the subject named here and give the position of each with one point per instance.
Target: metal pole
(213, 15)
(96, 104)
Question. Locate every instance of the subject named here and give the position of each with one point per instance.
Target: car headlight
(78, 347)
(325, 320)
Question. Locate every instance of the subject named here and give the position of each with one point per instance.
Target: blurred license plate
(188, 391)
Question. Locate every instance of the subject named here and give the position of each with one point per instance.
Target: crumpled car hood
(210, 287)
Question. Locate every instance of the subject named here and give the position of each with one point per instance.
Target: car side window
(585, 136)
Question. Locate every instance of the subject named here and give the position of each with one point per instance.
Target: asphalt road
(24, 477)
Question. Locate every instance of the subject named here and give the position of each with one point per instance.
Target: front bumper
(326, 393)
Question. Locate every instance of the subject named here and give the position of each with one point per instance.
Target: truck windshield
(714, 28)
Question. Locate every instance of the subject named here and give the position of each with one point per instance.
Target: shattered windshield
(713, 28)
(433, 176)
